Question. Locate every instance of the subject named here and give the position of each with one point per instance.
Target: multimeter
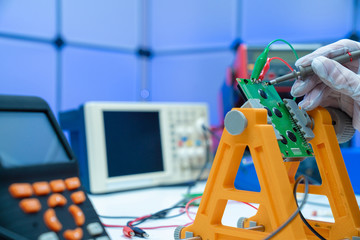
(41, 196)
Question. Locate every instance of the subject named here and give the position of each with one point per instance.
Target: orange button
(20, 190)
(73, 234)
(41, 188)
(78, 197)
(77, 214)
(52, 221)
(57, 185)
(56, 199)
(72, 183)
(30, 205)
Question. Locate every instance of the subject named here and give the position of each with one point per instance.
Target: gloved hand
(333, 84)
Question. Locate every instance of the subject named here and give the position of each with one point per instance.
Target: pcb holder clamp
(248, 127)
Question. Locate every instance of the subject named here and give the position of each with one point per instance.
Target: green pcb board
(291, 140)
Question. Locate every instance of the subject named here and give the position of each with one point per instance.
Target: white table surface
(147, 201)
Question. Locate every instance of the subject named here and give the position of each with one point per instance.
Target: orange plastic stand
(276, 179)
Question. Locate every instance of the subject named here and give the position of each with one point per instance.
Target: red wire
(188, 205)
(268, 62)
(194, 213)
(138, 219)
(194, 199)
(110, 225)
(167, 226)
(250, 205)
(288, 65)
(265, 69)
(146, 228)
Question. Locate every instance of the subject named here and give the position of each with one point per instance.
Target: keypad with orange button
(30, 205)
(57, 185)
(72, 183)
(78, 197)
(75, 234)
(51, 220)
(20, 190)
(55, 200)
(41, 188)
(62, 207)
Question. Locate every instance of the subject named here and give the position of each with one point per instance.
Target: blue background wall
(72, 51)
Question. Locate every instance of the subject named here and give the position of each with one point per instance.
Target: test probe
(307, 71)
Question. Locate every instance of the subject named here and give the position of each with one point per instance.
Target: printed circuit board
(288, 120)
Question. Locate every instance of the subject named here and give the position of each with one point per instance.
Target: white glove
(333, 84)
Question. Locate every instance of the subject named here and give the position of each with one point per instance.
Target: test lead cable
(262, 58)
(307, 71)
(291, 218)
(267, 66)
(128, 232)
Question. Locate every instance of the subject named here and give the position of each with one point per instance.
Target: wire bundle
(261, 60)
(131, 229)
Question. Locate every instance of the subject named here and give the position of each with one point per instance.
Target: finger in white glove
(327, 97)
(301, 87)
(356, 116)
(315, 97)
(341, 89)
(338, 48)
(337, 77)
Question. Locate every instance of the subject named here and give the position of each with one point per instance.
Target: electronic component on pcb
(288, 125)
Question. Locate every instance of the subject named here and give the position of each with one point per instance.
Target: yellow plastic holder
(276, 179)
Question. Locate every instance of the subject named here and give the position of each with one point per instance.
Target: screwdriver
(307, 71)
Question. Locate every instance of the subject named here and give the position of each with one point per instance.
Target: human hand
(333, 84)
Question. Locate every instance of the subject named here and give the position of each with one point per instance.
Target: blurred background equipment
(128, 50)
(41, 194)
(127, 145)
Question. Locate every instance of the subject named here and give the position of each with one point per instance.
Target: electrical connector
(139, 232)
(265, 69)
(259, 64)
(128, 232)
(261, 60)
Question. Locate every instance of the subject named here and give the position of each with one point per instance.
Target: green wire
(261, 60)
(284, 41)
